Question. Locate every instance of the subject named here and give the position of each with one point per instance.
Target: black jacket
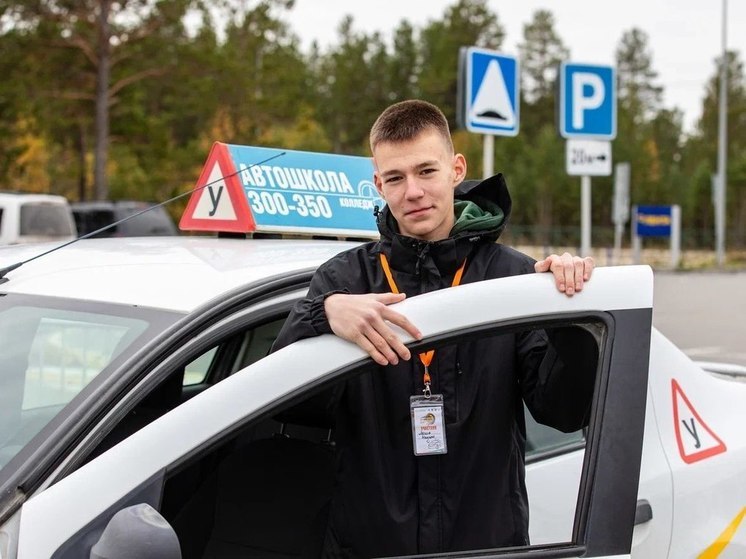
(388, 501)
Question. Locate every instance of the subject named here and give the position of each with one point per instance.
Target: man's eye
(393, 179)
(428, 171)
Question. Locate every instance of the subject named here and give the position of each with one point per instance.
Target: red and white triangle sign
(695, 439)
(218, 203)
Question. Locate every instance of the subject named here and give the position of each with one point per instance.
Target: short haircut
(406, 120)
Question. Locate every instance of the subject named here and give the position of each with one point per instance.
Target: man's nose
(413, 189)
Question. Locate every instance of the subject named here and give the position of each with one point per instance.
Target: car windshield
(52, 350)
(153, 222)
(50, 220)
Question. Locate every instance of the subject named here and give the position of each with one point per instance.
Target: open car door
(180, 464)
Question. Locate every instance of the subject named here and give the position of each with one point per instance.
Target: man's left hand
(570, 272)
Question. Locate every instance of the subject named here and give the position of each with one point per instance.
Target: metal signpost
(620, 209)
(587, 112)
(489, 97)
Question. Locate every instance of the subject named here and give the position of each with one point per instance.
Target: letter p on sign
(587, 101)
(588, 94)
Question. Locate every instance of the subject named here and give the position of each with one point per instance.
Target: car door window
(237, 352)
(196, 371)
(551, 520)
(543, 441)
(268, 489)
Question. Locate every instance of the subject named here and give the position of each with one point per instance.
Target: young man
(436, 230)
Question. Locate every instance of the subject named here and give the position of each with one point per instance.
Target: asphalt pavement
(703, 313)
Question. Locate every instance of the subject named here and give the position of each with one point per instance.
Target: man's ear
(379, 184)
(459, 169)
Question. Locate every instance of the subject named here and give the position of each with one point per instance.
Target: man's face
(417, 178)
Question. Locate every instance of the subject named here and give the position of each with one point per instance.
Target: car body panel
(173, 273)
(708, 490)
(164, 443)
(652, 538)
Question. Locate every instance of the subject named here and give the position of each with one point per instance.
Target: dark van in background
(90, 216)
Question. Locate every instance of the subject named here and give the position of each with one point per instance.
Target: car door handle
(643, 512)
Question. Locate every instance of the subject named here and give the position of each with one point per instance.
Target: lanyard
(426, 357)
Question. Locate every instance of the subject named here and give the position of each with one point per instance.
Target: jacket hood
(481, 209)
(487, 220)
(493, 191)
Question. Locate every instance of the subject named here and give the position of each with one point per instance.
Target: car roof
(111, 204)
(22, 197)
(172, 273)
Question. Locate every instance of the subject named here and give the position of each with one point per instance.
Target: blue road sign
(653, 221)
(587, 101)
(492, 96)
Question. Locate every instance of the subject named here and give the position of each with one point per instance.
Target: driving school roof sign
(245, 189)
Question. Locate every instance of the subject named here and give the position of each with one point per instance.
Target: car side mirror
(137, 532)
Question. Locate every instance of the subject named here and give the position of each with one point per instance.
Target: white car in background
(33, 218)
(133, 373)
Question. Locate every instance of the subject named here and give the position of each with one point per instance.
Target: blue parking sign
(587, 101)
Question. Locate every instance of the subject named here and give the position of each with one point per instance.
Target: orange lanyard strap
(426, 357)
(392, 283)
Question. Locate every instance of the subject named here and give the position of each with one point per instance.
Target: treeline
(124, 99)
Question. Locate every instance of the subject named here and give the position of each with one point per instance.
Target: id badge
(428, 427)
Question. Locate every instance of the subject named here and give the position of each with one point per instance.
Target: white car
(35, 218)
(133, 372)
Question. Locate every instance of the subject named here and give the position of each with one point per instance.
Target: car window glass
(94, 219)
(196, 371)
(233, 354)
(66, 353)
(270, 486)
(152, 222)
(53, 354)
(45, 219)
(257, 343)
(541, 440)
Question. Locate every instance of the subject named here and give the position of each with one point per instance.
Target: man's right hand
(365, 320)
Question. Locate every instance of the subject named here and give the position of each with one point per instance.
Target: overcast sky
(685, 35)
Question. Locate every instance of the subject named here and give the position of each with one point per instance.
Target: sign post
(620, 209)
(587, 111)
(489, 93)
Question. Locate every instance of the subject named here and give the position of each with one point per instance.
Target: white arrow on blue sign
(587, 101)
(492, 93)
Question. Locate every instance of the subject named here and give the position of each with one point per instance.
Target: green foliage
(466, 23)
(236, 73)
(541, 53)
